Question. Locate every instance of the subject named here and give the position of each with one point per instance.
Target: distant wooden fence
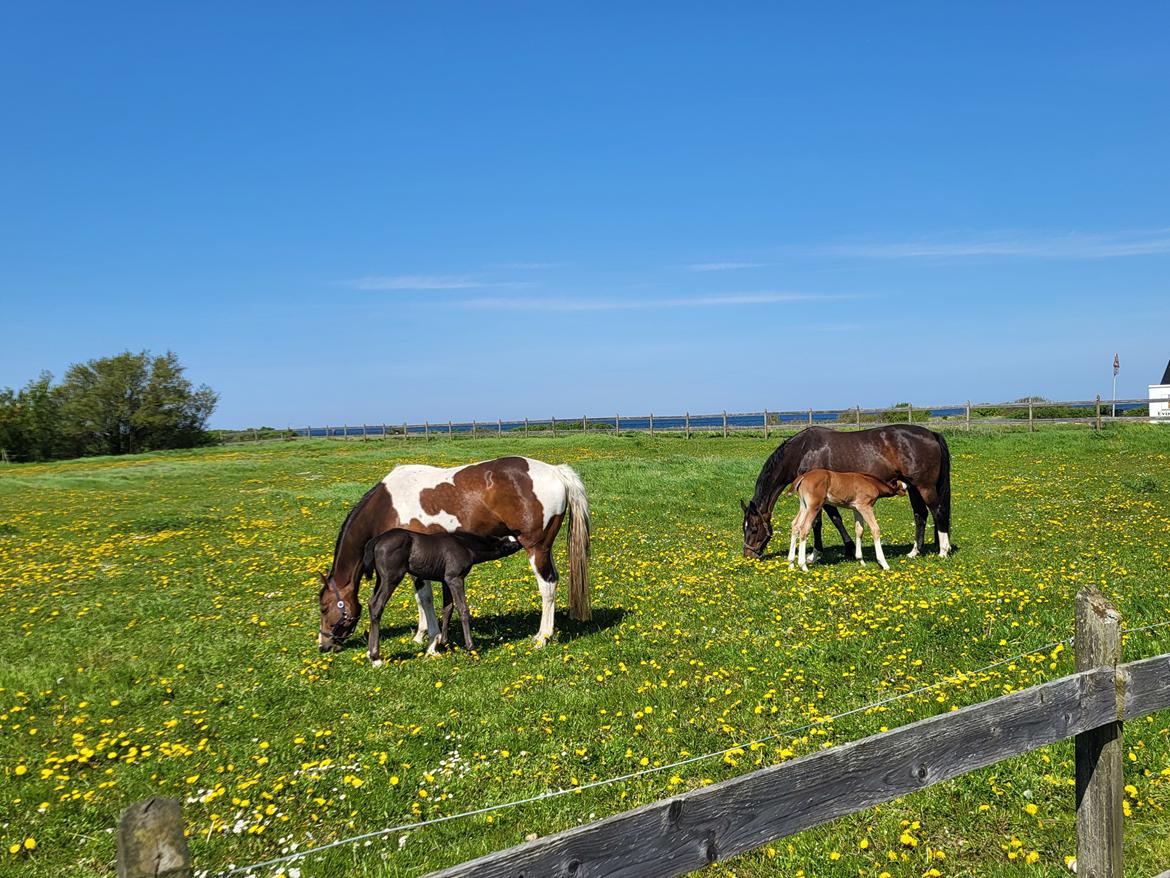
(684, 833)
(959, 416)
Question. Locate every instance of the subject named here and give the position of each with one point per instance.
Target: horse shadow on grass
(492, 632)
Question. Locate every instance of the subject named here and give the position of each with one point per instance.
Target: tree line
(122, 404)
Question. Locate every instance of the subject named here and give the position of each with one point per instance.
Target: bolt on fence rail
(1029, 415)
(684, 833)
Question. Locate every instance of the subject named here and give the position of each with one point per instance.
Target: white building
(1159, 406)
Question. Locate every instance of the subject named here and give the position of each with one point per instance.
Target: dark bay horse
(914, 454)
(510, 496)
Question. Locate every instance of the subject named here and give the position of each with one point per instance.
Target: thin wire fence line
(1145, 627)
(551, 794)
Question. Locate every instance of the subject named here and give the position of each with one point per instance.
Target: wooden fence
(958, 416)
(683, 833)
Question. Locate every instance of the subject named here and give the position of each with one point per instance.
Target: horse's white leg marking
(944, 543)
(426, 604)
(420, 635)
(858, 530)
(548, 609)
(913, 553)
(792, 542)
(876, 533)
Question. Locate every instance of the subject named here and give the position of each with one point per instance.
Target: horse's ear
(743, 506)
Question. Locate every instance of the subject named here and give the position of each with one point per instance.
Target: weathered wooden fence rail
(684, 833)
(958, 416)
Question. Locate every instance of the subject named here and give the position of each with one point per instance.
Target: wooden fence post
(909, 413)
(526, 428)
(968, 416)
(810, 417)
(765, 423)
(1098, 423)
(1031, 423)
(651, 424)
(151, 843)
(365, 433)
(687, 425)
(450, 431)
(857, 409)
(1099, 763)
(584, 424)
(554, 427)
(404, 430)
(617, 424)
(427, 431)
(724, 423)
(474, 426)
(499, 428)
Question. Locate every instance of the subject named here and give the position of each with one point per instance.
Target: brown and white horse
(510, 496)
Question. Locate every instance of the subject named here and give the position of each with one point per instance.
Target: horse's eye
(341, 605)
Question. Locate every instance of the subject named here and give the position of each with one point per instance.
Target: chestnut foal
(442, 557)
(858, 491)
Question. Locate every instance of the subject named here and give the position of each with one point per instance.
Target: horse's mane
(767, 484)
(348, 518)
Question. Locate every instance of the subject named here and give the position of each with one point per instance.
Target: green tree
(132, 402)
(30, 420)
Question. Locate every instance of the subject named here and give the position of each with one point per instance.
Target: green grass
(159, 620)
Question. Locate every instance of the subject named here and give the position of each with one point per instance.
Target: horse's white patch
(405, 483)
(549, 487)
(944, 543)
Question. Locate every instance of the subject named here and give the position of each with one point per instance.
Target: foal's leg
(447, 608)
(809, 515)
(426, 605)
(919, 507)
(455, 584)
(858, 530)
(871, 520)
(383, 588)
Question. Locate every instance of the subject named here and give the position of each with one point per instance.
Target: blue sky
(455, 210)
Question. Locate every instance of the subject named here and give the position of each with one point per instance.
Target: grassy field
(159, 623)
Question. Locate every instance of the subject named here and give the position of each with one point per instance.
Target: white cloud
(559, 303)
(724, 266)
(1067, 246)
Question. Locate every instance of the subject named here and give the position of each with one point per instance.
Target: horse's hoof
(539, 641)
(376, 662)
(859, 561)
(885, 566)
(419, 637)
(943, 554)
(791, 566)
(812, 559)
(804, 568)
(913, 553)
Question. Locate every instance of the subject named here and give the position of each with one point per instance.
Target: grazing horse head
(757, 530)
(339, 616)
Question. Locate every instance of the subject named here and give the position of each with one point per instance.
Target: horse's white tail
(580, 606)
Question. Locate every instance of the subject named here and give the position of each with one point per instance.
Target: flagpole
(1116, 369)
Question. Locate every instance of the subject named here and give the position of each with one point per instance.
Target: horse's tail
(944, 484)
(580, 606)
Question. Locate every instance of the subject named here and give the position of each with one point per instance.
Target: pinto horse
(510, 496)
(915, 455)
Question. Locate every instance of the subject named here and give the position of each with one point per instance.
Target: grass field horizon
(160, 617)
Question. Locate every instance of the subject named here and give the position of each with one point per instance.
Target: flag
(1116, 364)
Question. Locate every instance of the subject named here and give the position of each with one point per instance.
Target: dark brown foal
(442, 557)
